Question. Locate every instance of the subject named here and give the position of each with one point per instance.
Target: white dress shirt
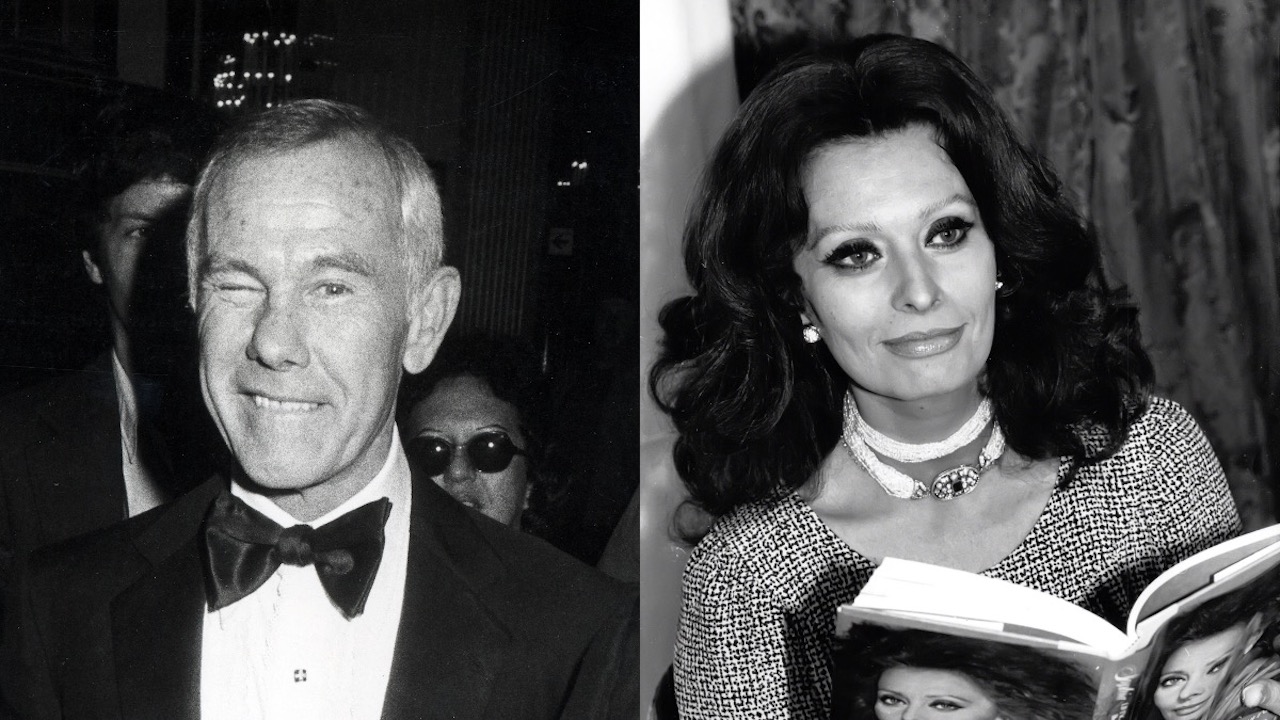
(286, 651)
(141, 491)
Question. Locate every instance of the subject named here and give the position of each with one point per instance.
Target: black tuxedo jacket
(495, 624)
(60, 459)
(61, 464)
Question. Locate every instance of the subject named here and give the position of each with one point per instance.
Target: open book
(949, 640)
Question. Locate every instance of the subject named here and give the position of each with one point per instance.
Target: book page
(883, 663)
(1196, 572)
(1203, 649)
(908, 586)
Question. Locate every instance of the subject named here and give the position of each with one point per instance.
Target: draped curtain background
(1161, 117)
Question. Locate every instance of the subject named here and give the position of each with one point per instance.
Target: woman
(1192, 677)
(469, 423)
(901, 344)
(1211, 654)
(918, 675)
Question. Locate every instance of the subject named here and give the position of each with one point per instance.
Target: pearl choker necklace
(948, 484)
(912, 453)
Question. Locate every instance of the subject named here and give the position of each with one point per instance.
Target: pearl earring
(810, 334)
(999, 284)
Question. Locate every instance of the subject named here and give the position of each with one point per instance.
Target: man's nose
(279, 336)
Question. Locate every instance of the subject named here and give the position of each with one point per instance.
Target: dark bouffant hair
(1023, 682)
(510, 369)
(756, 408)
(508, 366)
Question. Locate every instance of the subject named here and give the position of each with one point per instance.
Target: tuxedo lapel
(157, 622)
(449, 643)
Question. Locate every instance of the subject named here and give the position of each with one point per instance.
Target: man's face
(304, 318)
(138, 264)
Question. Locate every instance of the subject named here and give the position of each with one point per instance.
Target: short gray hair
(299, 123)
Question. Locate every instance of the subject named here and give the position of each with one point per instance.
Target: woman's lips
(925, 344)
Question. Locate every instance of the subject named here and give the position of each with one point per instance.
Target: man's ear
(91, 267)
(431, 309)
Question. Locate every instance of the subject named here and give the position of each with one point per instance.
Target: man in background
(94, 446)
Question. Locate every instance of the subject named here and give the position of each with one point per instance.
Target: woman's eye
(853, 255)
(1169, 681)
(334, 289)
(889, 700)
(944, 705)
(950, 232)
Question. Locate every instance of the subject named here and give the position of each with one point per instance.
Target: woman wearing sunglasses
(466, 422)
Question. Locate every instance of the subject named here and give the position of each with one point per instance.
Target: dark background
(506, 99)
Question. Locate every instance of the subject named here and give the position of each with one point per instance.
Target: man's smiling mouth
(283, 406)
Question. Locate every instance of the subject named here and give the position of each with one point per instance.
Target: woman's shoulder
(1165, 419)
(1165, 433)
(1165, 468)
(749, 532)
(767, 539)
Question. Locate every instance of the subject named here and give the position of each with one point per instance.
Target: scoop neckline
(1032, 538)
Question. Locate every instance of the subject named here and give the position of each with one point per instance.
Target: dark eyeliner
(948, 224)
(847, 249)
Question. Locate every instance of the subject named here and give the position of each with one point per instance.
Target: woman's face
(1191, 676)
(458, 410)
(898, 273)
(908, 693)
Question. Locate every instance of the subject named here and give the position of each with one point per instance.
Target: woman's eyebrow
(872, 227)
(868, 227)
(955, 198)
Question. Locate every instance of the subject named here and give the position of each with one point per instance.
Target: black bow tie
(243, 548)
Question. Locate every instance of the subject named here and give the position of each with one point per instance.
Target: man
(88, 449)
(314, 264)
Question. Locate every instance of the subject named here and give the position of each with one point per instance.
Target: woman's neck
(921, 420)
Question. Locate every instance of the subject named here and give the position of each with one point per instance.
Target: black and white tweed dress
(761, 589)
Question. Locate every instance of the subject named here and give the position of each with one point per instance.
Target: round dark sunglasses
(490, 451)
